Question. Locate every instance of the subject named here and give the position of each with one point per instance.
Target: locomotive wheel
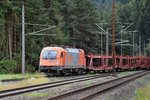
(79, 71)
(65, 72)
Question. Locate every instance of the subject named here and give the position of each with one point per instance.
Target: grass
(14, 76)
(40, 94)
(143, 93)
(126, 73)
(24, 83)
(37, 95)
(88, 83)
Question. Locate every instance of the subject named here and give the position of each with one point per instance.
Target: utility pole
(113, 34)
(133, 44)
(107, 48)
(10, 46)
(121, 45)
(23, 41)
(101, 41)
(102, 32)
(102, 37)
(144, 49)
(121, 39)
(140, 45)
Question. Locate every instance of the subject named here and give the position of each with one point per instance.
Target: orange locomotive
(62, 60)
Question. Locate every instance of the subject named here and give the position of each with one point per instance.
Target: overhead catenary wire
(41, 30)
(28, 23)
(43, 34)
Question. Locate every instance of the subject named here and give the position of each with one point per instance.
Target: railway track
(16, 79)
(17, 91)
(89, 92)
(12, 80)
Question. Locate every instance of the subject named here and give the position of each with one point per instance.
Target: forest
(77, 23)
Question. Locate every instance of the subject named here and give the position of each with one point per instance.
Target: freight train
(66, 61)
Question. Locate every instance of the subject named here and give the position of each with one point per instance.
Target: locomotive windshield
(49, 54)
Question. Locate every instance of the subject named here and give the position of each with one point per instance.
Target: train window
(118, 60)
(105, 61)
(61, 55)
(133, 61)
(142, 61)
(88, 61)
(49, 54)
(124, 61)
(110, 62)
(97, 62)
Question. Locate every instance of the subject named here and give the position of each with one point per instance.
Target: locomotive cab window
(49, 55)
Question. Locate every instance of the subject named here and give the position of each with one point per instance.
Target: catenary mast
(113, 33)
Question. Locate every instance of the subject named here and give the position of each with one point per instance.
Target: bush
(12, 67)
(7, 66)
(30, 69)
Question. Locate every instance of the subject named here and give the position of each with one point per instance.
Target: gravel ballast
(126, 91)
(50, 92)
(43, 94)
